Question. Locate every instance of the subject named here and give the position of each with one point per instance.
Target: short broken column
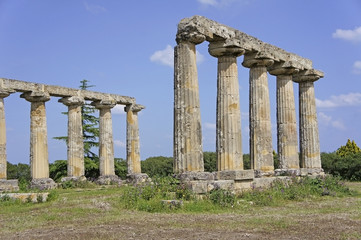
(287, 142)
(39, 162)
(309, 136)
(75, 143)
(229, 138)
(106, 146)
(259, 114)
(188, 153)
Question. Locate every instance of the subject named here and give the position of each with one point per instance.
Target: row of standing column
(39, 164)
(187, 121)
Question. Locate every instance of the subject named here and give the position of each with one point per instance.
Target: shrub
(348, 166)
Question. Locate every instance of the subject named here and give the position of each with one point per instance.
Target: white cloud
(328, 121)
(118, 109)
(94, 9)
(208, 2)
(119, 143)
(351, 99)
(166, 56)
(357, 67)
(349, 35)
(211, 126)
(221, 3)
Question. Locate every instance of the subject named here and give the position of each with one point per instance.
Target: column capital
(256, 59)
(72, 101)
(192, 37)
(5, 92)
(282, 68)
(36, 96)
(133, 108)
(310, 75)
(220, 49)
(104, 103)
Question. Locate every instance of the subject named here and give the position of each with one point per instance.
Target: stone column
(309, 137)
(188, 153)
(259, 115)
(3, 160)
(287, 142)
(229, 138)
(133, 145)
(39, 162)
(75, 136)
(106, 146)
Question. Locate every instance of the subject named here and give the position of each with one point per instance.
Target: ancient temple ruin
(227, 44)
(38, 95)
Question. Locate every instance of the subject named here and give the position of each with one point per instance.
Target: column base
(260, 174)
(138, 178)
(43, 183)
(74, 179)
(9, 185)
(312, 172)
(195, 176)
(234, 175)
(288, 172)
(109, 180)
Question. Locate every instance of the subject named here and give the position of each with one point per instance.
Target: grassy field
(98, 213)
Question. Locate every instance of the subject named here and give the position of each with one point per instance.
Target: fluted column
(309, 136)
(3, 160)
(39, 162)
(106, 146)
(75, 136)
(259, 115)
(133, 145)
(287, 142)
(229, 138)
(188, 153)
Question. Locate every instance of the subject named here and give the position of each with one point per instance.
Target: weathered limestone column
(259, 114)
(309, 137)
(229, 138)
(133, 145)
(75, 136)
(287, 142)
(3, 160)
(39, 163)
(188, 153)
(106, 146)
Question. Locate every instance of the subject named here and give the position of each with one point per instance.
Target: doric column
(188, 153)
(75, 136)
(259, 114)
(106, 146)
(39, 163)
(309, 137)
(287, 143)
(3, 160)
(229, 138)
(133, 145)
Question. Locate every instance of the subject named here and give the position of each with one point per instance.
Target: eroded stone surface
(9, 185)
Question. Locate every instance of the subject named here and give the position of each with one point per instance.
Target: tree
(349, 148)
(158, 166)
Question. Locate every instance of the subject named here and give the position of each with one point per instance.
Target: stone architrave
(188, 153)
(3, 160)
(309, 136)
(106, 145)
(39, 162)
(287, 142)
(133, 144)
(229, 138)
(75, 136)
(259, 114)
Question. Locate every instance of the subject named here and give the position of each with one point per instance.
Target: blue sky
(126, 48)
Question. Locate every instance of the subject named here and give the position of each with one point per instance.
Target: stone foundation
(109, 180)
(74, 179)
(9, 185)
(26, 197)
(43, 184)
(138, 178)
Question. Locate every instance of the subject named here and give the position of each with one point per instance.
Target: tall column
(188, 153)
(309, 137)
(259, 115)
(106, 146)
(229, 138)
(75, 136)
(3, 160)
(287, 142)
(39, 163)
(133, 145)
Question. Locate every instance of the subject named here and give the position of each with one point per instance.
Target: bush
(348, 166)
(158, 166)
(223, 198)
